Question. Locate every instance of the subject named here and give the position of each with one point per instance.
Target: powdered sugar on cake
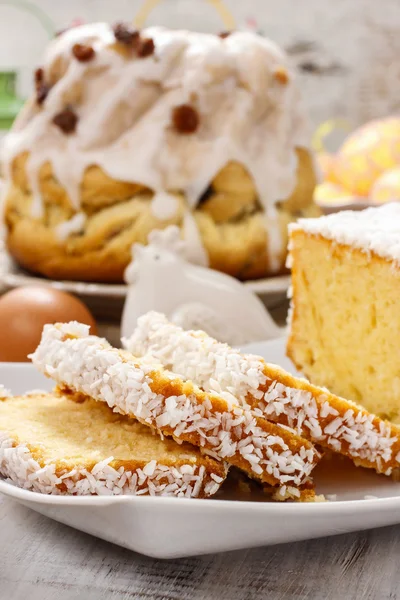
(89, 365)
(216, 366)
(372, 230)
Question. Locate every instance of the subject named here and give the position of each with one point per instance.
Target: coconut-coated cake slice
(345, 326)
(173, 406)
(314, 412)
(57, 444)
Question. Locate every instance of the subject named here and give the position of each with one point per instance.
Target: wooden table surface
(43, 560)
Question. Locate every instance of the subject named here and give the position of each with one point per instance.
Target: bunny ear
(137, 250)
(167, 239)
(154, 236)
(172, 234)
(160, 237)
(171, 238)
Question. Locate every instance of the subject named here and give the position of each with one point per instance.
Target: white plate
(11, 276)
(174, 527)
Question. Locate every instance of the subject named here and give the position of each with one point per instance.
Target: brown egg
(25, 310)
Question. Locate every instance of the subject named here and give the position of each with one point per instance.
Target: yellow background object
(327, 194)
(148, 6)
(387, 187)
(325, 130)
(367, 154)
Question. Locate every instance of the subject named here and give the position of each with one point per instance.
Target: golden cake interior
(345, 326)
(59, 430)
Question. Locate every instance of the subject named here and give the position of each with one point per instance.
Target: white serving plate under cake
(176, 527)
(12, 276)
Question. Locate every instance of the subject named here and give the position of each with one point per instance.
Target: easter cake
(345, 325)
(128, 131)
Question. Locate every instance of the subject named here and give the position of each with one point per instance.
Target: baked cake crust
(118, 214)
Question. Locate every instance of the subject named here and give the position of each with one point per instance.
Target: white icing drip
(164, 206)
(372, 230)
(32, 169)
(124, 108)
(74, 225)
(275, 246)
(194, 249)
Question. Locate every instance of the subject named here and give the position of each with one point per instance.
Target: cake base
(233, 231)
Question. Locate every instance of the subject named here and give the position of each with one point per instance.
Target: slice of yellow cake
(174, 406)
(55, 445)
(345, 318)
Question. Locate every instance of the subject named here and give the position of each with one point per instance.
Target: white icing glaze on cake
(275, 246)
(164, 205)
(246, 113)
(194, 249)
(74, 225)
(372, 230)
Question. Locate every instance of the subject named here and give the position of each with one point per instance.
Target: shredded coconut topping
(372, 230)
(331, 497)
(18, 466)
(217, 367)
(87, 364)
(212, 365)
(4, 392)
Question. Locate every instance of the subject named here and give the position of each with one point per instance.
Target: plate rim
(13, 277)
(360, 505)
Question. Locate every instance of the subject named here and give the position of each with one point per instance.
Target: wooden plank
(43, 560)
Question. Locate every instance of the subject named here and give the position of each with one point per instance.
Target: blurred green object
(10, 104)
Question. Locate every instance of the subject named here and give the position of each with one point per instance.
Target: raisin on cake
(345, 319)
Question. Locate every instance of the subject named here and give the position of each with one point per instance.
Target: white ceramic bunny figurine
(194, 297)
